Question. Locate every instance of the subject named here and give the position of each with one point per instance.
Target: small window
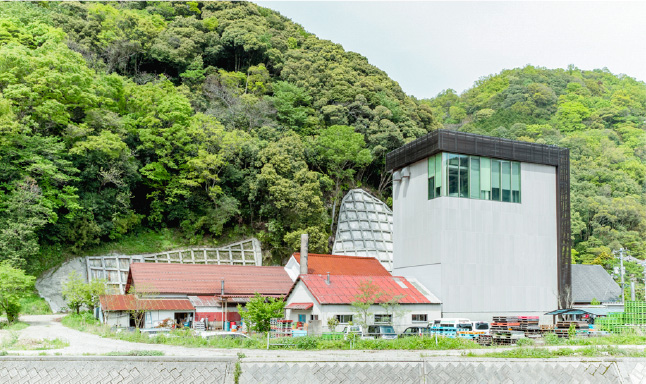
(420, 318)
(383, 319)
(344, 319)
(314, 317)
(495, 180)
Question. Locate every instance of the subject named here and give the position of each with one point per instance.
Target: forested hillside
(211, 119)
(216, 120)
(600, 117)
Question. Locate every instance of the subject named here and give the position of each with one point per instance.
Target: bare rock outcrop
(49, 284)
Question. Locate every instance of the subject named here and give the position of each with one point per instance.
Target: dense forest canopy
(210, 118)
(600, 117)
(227, 119)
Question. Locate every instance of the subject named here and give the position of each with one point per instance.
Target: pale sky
(431, 46)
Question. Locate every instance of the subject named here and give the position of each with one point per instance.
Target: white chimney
(304, 251)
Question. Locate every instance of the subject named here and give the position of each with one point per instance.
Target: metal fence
(114, 268)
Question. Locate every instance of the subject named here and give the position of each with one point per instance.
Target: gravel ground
(81, 343)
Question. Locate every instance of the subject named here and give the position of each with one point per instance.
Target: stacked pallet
(563, 328)
(505, 323)
(280, 328)
(529, 325)
(635, 312)
(526, 324)
(485, 340)
(634, 316)
(505, 330)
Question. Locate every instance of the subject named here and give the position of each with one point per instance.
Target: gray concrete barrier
(104, 369)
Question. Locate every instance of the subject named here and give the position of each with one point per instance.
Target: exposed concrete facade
(481, 258)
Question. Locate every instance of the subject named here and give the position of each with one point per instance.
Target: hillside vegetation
(212, 121)
(599, 117)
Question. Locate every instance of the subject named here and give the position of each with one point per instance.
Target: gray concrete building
(483, 223)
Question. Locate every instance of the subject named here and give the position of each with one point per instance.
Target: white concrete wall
(481, 258)
(293, 268)
(116, 319)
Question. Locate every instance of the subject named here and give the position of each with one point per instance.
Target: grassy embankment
(545, 353)
(33, 304)
(593, 346)
(86, 323)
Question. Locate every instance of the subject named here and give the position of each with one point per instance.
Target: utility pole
(621, 270)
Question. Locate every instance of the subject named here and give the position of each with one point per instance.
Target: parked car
(482, 326)
(223, 335)
(449, 327)
(416, 331)
(381, 332)
(354, 330)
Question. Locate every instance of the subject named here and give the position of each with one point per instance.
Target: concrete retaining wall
(223, 370)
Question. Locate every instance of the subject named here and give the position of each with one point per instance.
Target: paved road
(81, 343)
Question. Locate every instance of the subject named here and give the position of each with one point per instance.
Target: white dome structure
(365, 228)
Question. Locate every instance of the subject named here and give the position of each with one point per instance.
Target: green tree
(75, 291)
(258, 312)
(391, 304)
(341, 150)
(369, 294)
(15, 284)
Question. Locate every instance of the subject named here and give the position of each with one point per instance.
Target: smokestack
(222, 288)
(304, 251)
(328, 278)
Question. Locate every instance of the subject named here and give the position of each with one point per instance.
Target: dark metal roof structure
(477, 145)
(580, 311)
(593, 282)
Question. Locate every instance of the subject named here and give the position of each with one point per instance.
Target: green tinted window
(495, 180)
(485, 178)
(431, 178)
(515, 182)
(474, 178)
(454, 175)
(438, 174)
(506, 180)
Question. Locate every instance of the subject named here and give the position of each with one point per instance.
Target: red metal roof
(343, 289)
(342, 265)
(302, 306)
(129, 303)
(201, 280)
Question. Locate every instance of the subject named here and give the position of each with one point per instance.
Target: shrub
(525, 342)
(12, 310)
(306, 342)
(551, 339)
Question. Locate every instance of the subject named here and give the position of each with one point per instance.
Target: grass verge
(15, 326)
(86, 323)
(143, 352)
(544, 353)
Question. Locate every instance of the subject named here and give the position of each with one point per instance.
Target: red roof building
(321, 297)
(205, 280)
(344, 289)
(130, 303)
(336, 265)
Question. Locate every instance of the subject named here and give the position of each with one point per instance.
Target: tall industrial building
(483, 223)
